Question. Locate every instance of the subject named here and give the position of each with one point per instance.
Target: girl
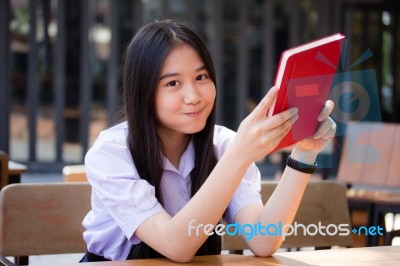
(169, 167)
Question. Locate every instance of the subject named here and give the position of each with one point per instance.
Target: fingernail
(317, 136)
(294, 118)
(294, 111)
(320, 118)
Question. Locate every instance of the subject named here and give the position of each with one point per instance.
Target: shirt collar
(186, 163)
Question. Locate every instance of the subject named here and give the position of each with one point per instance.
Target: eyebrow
(167, 75)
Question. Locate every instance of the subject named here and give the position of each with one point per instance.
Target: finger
(266, 102)
(283, 131)
(326, 111)
(283, 117)
(331, 132)
(324, 128)
(277, 131)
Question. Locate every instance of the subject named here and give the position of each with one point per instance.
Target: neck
(174, 146)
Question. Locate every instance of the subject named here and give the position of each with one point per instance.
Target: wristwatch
(301, 167)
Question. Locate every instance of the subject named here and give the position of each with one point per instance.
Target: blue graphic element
(355, 95)
(368, 231)
(348, 102)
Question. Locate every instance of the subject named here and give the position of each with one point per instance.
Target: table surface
(370, 256)
(15, 168)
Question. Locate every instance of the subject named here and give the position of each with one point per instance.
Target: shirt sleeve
(127, 198)
(249, 190)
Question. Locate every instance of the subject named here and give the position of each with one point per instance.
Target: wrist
(237, 156)
(301, 167)
(306, 157)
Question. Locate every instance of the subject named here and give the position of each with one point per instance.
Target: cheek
(166, 102)
(210, 94)
(160, 106)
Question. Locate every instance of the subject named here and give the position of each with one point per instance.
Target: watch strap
(301, 167)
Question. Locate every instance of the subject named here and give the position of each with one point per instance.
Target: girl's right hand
(258, 134)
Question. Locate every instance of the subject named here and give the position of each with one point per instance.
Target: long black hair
(143, 61)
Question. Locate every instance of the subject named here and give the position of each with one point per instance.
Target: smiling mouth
(196, 112)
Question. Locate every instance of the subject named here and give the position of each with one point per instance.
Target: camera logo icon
(355, 94)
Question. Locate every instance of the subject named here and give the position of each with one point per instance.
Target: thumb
(266, 102)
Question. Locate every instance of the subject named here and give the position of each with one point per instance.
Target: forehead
(182, 56)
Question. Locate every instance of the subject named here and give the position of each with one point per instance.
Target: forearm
(283, 203)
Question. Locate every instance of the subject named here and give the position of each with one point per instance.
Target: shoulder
(223, 136)
(111, 141)
(115, 136)
(116, 133)
(110, 159)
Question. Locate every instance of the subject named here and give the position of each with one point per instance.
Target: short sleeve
(127, 198)
(249, 190)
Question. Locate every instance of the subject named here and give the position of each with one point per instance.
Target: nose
(191, 94)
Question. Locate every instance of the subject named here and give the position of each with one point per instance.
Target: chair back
(40, 219)
(324, 202)
(370, 155)
(3, 169)
(74, 173)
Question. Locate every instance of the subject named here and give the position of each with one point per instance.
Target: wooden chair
(370, 155)
(369, 160)
(41, 219)
(74, 173)
(323, 201)
(3, 169)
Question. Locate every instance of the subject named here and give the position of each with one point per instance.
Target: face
(185, 93)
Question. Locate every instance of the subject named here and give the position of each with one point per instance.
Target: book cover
(304, 78)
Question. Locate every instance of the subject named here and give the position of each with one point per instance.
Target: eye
(173, 83)
(201, 77)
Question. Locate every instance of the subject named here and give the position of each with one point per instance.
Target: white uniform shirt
(121, 200)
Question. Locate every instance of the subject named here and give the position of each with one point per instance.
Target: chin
(195, 129)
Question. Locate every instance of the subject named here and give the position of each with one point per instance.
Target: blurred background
(60, 70)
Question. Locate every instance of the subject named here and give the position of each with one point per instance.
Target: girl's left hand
(324, 134)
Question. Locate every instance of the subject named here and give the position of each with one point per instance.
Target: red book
(304, 78)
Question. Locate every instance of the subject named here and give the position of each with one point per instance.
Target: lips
(195, 112)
